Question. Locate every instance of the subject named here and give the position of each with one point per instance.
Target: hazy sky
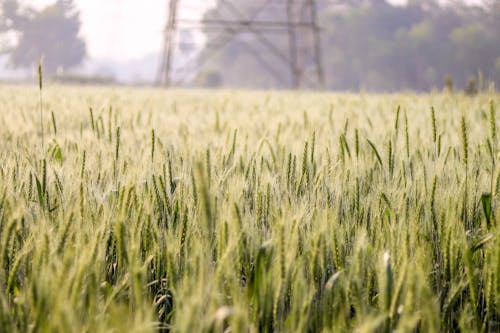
(123, 30)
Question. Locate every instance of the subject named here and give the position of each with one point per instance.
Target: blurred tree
(51, 33)
(378, 46)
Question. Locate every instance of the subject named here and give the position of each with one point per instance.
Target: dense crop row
(206, 211)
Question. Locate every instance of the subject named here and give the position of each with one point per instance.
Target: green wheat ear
(356, 142)
(40, 86)
(54, 125)
(40, 75)
(465, 142)
(407, 137)
(396, 121)
(493, 126)
(434, 130)
(152, 145)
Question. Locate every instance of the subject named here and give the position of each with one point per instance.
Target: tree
(376, 45)
(51, 33)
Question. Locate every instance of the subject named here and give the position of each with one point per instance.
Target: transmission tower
(298, 25)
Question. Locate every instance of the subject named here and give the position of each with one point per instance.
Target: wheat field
(143, 210)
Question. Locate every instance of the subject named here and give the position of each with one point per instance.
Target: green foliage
(372, 45)
(486, 203)
(52, 33)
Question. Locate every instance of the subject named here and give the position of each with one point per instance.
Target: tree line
(377, 46)
(368, 45)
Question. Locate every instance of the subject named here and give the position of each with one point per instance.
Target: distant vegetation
(52, 33)
(376, 46)
(368, 45)
(83, 79)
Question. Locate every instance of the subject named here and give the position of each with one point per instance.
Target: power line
(300, 24)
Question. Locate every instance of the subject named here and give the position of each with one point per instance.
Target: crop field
(143, 210)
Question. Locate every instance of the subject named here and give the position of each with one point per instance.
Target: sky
(127, 30)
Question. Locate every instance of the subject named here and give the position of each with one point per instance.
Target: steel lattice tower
(298, 24)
